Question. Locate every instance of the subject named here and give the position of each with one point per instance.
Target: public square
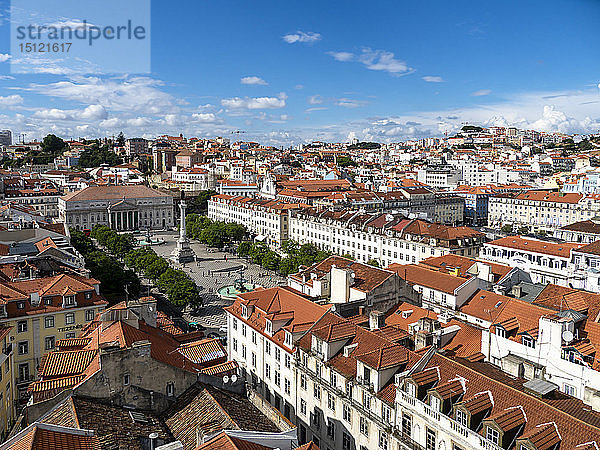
(212, 270)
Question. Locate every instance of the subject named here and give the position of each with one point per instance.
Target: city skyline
(287, 74)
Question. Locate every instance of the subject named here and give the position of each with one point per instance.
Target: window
(243, 351)
(366, 399)
(287, 386)
(386, 414)
(383, 440)
(570, 390)
(332, 378)
(253, 359)
(268, 371)
(277, 378)
(330, 429)
(461, 417)
(234, 322)
(303, 407)
(22, 326)
(500, 332)
(303, 382)
(435, 403)
(346, 441)
(528, 341)
(49, 322)
(126, 379)
(69, 318)
(23, 347)
(277, 354)
(170, 389)
(411, 390)
(89, 315)
(69, 300)
(244, 330)
(49, 342)
(234, 341)
(47, 301)
(317, 392)
(492, 435)
(347, 413)
(21, 304)
(406, 425)
(288, 361)
(430, 439)
(267, 347)
(23, 372)
(331, 401)
(364, 426)
(254, 337)
(70, 335)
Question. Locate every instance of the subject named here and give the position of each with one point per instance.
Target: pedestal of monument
(183, 253)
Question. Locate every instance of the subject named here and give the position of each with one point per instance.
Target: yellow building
(42, 311)
(7, 385)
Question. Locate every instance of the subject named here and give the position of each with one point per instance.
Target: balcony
(469, 438)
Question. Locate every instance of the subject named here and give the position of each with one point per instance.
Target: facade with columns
(123, 208)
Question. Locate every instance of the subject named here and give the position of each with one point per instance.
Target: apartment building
(43, 311)
(546, 262)
(122, 207)
(385, 238)
(41, 195)
(542, 210)
(356, 388)
(586, 231)
(266, 218)
(7, 382)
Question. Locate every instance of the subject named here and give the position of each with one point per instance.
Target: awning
(260, 237)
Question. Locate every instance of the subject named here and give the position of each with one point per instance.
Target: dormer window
(500, 332)
(21, 304)
(411, 390)
(47, 301)
(367, 375)
(435, 403)
(461, 417)
(69, 300)
(268, 326)
(2, 310)
(244, 311)
(492, 435)
(288, 339)
(88, 295)
(528, 341)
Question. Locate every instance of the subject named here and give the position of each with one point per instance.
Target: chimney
(376, 320)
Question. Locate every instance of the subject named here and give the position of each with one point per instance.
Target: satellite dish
(225, 379)
(567, 336)
(233, 378)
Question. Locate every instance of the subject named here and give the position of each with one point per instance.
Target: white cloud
(376, 60)
(315, 100)
(299, 86)
(94, 112)
(301, 36)
(206, 118)
(52, 114)
(433, 79)
(382, 60)
(317, 108)
(255, 102)
(11, 100)
(139, 94)
(113, 122)
(253, 81)
(342, 56)
(4, 57)
(350, 103)
(139, 122)
(481, 92)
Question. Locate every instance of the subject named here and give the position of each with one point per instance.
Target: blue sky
(286, 72)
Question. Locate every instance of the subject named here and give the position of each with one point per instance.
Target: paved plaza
(213, 270)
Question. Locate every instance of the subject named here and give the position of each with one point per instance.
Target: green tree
(199, 204)
(345, 161)
(288, 265)
(243, 249)
(271, 260)
(507, 228)
(120, 140)
(373, 262)
(523, 230)
(53, 145)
